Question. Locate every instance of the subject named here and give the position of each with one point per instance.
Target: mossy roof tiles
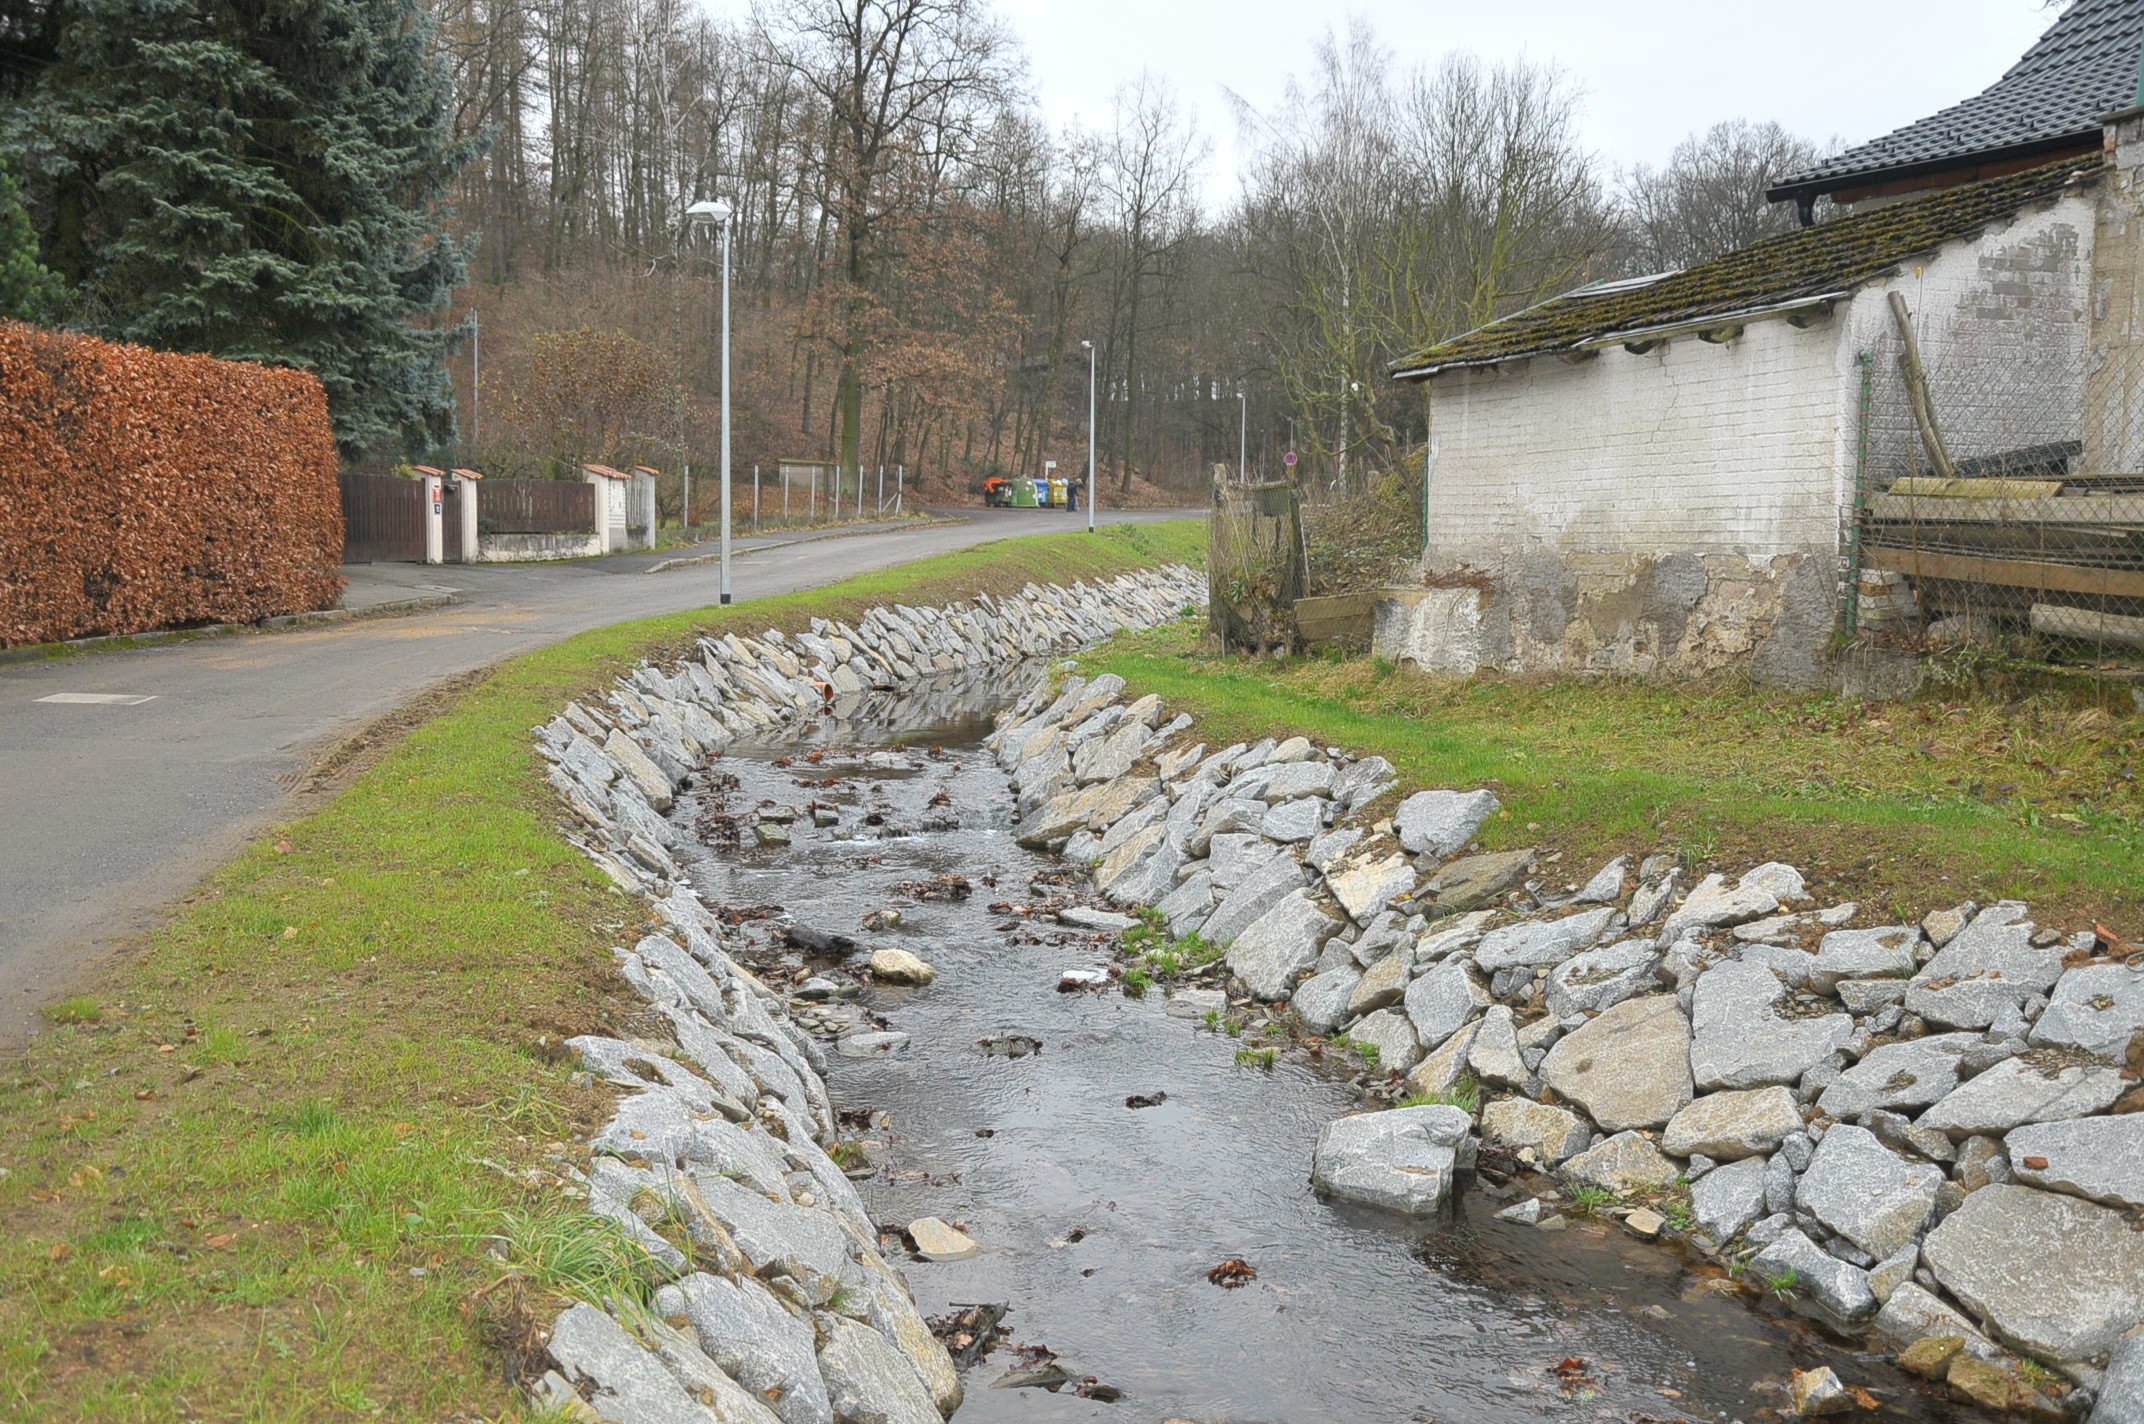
(2084, 67)
(1834, 257)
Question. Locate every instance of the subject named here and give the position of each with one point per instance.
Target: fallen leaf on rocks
(220, 1240)
(60, 1251)
(1233, 1273)
(2037, 1164)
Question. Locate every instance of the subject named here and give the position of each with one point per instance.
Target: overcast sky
(1650, 70)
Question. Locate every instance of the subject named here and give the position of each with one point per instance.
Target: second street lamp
(1089, 491)
(718, 213)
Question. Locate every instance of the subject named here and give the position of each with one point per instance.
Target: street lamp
(1243, 436)
(718, 213)
(1088, 346)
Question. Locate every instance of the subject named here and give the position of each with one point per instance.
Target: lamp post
(718, 213)
(1089, 491)
(1243, 436)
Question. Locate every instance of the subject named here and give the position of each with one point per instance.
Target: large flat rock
(1912, 1074)
(1728, 1198)
(1741, 1040)
(1273, 950)
(2053, 1275)
(1867, 1193)
(1536, 943)
(1714, 902)
(1628, 1068)
(1839, 1288)
(1554, 1134)
(1366, 888)
(1392, 1035)
(1731, 1126)
(1321, 1000)
(1403, 1160)
(2096, 1008)
(1990, 967)
(1444, 1000)
(1382, 984)
(866, 1378)
(2021, 1090)
(759, 1344)
(1626, 1162)
(1886, 953)
(1475, 881)
(1598, 978)
(1259, 893)
(1437, 823)
(2098, 1158)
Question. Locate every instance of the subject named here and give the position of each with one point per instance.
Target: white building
(1659, 475)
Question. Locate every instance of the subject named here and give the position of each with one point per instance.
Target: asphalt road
(116, 809)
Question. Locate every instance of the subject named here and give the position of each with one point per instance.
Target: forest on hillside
(919, 254)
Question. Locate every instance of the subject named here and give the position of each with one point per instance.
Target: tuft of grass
(1782, 1285)
(1909, 807)
(1590, 1200)
(1464, 1095)
(1137, 981)
(298, 1209)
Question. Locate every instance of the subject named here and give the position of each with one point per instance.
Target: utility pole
(1243, 436)
(718, 212)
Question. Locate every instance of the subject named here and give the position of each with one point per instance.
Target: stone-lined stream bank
(1609, 1041)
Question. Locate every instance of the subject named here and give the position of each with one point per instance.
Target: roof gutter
(1417, 374)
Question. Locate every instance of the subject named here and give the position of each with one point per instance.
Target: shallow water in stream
(1355, 1315)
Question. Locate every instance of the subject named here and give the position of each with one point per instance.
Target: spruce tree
(256, 179)
(27, 291)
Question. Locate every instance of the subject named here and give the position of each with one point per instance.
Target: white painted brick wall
(1746, 447)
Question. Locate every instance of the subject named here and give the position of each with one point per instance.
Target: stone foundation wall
(1633, 615)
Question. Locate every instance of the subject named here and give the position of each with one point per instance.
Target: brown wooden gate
(382, 519)
(450, 545)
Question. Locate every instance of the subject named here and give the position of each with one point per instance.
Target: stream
(1100, 1221)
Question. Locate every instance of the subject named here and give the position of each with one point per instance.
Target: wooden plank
(1941, 487)
(2010, 573)
(2085, 509)
(1340, 615)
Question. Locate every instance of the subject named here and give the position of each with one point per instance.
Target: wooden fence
(536, 507)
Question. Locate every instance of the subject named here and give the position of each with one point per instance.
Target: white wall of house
(1683, 510)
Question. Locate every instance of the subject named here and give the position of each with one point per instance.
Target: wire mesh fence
(2000, 501)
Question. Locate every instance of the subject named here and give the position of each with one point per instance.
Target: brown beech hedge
(143, 489)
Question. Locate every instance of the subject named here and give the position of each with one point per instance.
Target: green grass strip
(1904, 807)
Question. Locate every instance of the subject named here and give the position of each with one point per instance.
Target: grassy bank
(292, 1162)
(1903, 806)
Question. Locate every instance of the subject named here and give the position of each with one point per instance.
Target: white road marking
(100, 699)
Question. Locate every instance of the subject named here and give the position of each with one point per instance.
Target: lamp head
(709, 210)
(1086, 346)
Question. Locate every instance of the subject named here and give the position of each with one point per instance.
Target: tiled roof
(1795, 268)
(2084, 67)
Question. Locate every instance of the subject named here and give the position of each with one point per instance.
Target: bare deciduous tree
(1709, 198)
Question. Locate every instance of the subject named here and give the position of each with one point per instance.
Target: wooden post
(1924, 411)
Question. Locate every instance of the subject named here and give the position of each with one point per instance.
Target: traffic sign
(1288, 459)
